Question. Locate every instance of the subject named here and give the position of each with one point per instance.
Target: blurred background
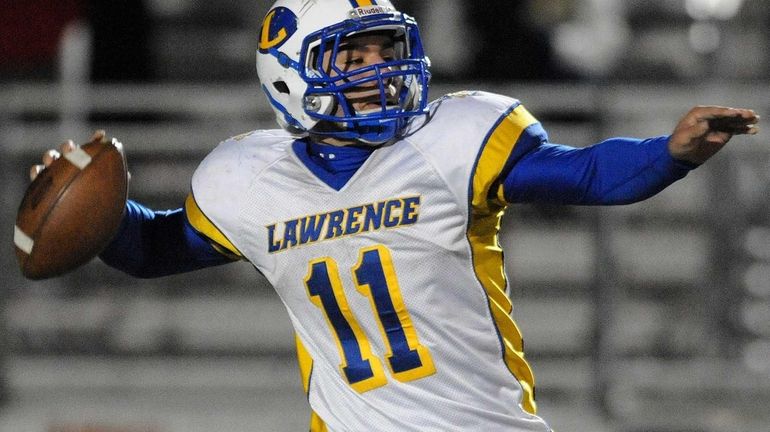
(653, 317)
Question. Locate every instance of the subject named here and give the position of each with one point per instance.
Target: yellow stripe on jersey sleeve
(203, 225)
(305, 369)
(500, 143)
(482, 234)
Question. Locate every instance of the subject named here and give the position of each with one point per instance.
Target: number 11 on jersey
(375, 278)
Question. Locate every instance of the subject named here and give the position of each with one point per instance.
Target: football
(72, 209)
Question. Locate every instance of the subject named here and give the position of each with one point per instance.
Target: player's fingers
(98, 135)
(50, 156)
(712, 112)
(735, 125)
(35, 170)
(67, 146)
(751, 129)
(723, 118)
(750, 116)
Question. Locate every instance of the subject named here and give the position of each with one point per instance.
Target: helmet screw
(312, 103)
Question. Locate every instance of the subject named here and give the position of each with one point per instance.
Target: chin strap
(377, 132)
(366, 132)
(374, 132)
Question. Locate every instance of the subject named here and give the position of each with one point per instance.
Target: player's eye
(389, 55)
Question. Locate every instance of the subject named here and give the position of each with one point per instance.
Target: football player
(375, 213)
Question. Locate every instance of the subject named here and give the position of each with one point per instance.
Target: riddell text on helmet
(370, 10)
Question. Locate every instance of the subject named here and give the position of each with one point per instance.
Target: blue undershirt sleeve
(615, 171)
(158, 243)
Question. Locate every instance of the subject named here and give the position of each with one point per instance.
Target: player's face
(360, 51)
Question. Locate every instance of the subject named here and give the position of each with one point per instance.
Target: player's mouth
(369, 100)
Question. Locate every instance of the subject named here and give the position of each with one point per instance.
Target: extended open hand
(706, 129)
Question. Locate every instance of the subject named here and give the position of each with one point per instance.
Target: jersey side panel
(494, 127)
(305, 362)
(483, 228)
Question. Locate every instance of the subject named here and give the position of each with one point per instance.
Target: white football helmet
(308, 97)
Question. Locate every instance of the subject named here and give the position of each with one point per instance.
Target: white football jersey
(394, 283)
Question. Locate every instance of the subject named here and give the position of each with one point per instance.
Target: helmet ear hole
(282, 87)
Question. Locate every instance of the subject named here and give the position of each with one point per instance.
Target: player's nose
(379, 59)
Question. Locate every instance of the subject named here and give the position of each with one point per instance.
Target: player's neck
(337, 158)
(334, 165)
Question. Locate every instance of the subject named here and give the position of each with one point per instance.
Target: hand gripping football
(72, 210)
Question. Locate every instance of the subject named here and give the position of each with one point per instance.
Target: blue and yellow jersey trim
(306, 370)
(487, 206)
(495, 153)
(201, 223)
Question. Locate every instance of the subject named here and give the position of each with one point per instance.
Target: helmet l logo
(280, 23)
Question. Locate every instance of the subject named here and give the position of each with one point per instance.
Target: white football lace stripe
(78, 157)
(22, 240)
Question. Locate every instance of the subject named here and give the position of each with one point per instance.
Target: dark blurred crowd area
(494, 40)
(31, 33)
